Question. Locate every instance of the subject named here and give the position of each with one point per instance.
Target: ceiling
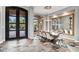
(40, 10)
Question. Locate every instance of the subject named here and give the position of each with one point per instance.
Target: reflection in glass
(70, 22)
(46, 25)
(12, 12)
(22, 26)
(22, 13)
(12, 19)
(22, 19)
(12, 26)
(22, 33)
(35, 25)
(50, 24)
(12, 34)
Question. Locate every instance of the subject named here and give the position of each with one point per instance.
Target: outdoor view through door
(16, 23)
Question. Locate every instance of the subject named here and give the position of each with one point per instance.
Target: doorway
(16, 23)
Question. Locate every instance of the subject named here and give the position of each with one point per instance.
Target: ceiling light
(47, 7)
(55, 16)
(65, 13)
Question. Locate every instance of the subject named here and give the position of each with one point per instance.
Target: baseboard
(2, 42)
(30, 38)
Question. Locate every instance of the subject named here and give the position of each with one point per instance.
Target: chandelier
(47, 7)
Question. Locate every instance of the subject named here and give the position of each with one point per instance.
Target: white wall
(76, 23)
(2, 24)
(30, 23)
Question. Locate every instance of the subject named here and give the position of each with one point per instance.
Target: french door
(16, 23)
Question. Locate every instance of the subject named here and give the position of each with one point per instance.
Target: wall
(76, 24)
(30, 23)
(2, 24)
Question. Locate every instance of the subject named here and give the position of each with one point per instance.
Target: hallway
(39, 29)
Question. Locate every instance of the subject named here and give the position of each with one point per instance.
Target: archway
(16, 23)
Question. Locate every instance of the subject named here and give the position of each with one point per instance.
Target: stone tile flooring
(26, 45)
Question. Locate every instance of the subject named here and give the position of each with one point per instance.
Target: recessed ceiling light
(65, 13)
(55, 16)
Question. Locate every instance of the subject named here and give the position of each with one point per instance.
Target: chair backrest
(48, 35)
(40, 33)
(44, 34)
(66, 31)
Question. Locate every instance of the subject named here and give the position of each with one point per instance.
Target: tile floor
(26, 45)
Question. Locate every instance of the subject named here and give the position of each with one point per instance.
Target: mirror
(64, 23)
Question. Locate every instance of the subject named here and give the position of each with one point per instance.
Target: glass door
(22, 24)
(16, 23)
(12, 23)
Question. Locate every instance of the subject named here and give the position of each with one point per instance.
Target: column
(30, 23)
(76, 24)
